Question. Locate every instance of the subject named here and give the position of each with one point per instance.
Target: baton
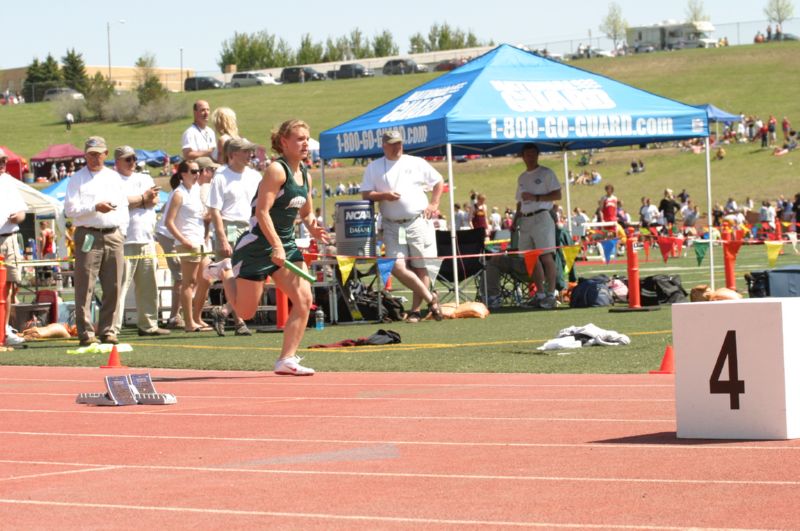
(299, 272)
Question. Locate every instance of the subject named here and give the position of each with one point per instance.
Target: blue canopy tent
(717, 115)
(507, 97)
(57, 190)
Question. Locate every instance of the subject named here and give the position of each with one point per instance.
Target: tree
(778, 11)
(695, 11)
(149, 87)
(614, 25)
(99, 90)
(74, 71)
(250, 51)
(417, 44)
(359, 46)
(335, 50)
(309, 52)
(383, 45)
(41, 76)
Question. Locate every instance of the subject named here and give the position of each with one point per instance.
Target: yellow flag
(346, 264)
(773, 250)
(570, 254)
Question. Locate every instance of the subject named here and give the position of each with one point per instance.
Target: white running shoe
(214, 270)
(291, 366)
(13, 340)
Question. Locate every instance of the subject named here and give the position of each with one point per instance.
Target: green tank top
(290, 199)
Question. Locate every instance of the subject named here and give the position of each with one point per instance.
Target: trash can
(355, 228)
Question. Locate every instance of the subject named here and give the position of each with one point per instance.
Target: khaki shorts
(537, 232)
(194, 249)
(9, 248)
(233, 231)
(173, 262)
(420, 240)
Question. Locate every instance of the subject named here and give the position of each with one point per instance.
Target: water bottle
(319, 319)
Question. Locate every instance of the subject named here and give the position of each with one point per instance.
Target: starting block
(737, 369)
(127, 391)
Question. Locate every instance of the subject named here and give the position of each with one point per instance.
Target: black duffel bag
(661, 289)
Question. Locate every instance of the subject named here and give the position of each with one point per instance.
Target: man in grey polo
(230, 204)
(98, 206)
(140, 261)
(537, 188)
(398, 183)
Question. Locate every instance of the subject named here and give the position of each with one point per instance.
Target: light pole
(108, 35)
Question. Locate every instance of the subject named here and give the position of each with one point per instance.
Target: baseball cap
(206, 162)
(123, 151)
(392, 137)
(95, 144)
(238, 144)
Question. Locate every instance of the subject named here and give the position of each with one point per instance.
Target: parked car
(350, 70)
(291, 74)
(202, 83)
(251, 79)
(446, 66)
(403, 66)
(55, 93)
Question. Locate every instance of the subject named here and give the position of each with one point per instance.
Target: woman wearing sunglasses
(186, 221)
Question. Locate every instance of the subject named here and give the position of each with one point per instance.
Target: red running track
(377, 451)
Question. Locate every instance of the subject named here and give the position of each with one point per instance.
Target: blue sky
(35, 28)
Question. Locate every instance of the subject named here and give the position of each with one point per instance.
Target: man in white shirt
(97, 204)
(537, 188)
(139, 247)
(199, 140)
(230, 204)
(398, 182)
(12, 213)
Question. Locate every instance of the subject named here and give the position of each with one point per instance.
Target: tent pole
(710, 216)
(453, 227)
(322, 190)
(566, 182)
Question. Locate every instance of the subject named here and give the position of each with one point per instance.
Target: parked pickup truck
(350, 70)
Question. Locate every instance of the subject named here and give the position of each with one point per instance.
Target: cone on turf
(667, 362)
(113, 360)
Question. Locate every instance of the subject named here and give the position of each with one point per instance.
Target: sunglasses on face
(130, 159)
(194, 172)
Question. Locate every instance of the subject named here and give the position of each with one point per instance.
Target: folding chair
(468, 242)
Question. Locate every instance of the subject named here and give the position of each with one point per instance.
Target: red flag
(665, 245)
(677, 246)
(731, 249)
(531, 257)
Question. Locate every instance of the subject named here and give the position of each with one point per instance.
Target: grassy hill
(754, 79)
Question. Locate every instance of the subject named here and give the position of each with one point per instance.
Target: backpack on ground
(661, 289)
(591, 292)
(391, 307)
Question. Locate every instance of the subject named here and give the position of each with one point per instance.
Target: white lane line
(345, 517)
(292, 383)
(187, 413)
(392, 398)
(502, 444)
(61, 473)
(414, 475)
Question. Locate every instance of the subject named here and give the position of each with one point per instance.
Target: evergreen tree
(41, 76)
(149, 87)
(98, 91)
(74, 71)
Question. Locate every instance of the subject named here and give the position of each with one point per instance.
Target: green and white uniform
(251, 256)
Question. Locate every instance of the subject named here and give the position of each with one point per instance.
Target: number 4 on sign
(733, 386)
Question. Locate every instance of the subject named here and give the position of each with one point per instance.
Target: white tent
(40, 205)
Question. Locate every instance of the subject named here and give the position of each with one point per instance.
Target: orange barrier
(113, 360)
(667, 362)
(281, 309)
(634, 300)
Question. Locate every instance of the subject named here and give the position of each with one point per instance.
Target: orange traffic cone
(113, 360)
(667, 362)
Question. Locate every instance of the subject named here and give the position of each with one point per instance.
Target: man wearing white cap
(140, 262)
(12, 213)
(97, 204)
(398, 182)
(230, 204)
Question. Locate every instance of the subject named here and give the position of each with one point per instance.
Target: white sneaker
(547, 303)
(214, 270)
(291, 366)
(13, 340)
